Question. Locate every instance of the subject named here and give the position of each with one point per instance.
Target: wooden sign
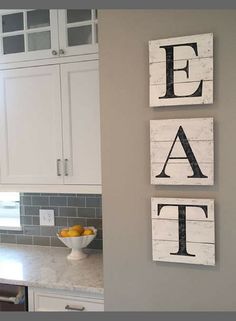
(183, 230)
(182, 151)
(181, 70)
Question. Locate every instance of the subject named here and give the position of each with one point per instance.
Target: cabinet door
(81, 123)
(78, 31)
(28, 34)
(30, 126)
(43, 300)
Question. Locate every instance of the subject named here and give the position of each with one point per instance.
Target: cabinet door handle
(66, 167)
(74, 308)
(58, 167)
(54, 52)
(61, 52)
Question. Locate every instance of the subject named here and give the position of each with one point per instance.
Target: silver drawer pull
(58, 167)
(74, 308)
(66, 167)
(7, 299)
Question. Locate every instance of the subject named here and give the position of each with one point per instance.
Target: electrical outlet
(46, 217)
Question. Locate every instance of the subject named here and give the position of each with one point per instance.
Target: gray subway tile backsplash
(41, 240)
(86, 212)
(24, 239)
(40, 200)
(93, 202)
(5, 238)
(69, 209)
(76, 201)
(27, 220)
(31, 210)
(58, 201)
(31, 230)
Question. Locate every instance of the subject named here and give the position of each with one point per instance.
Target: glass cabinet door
(78, 31)
(28, 34)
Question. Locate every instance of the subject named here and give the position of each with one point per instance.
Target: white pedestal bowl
(77, 244)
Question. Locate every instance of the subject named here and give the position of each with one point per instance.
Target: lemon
(64, 233)
(88, 231)
(78, 228)
(73, 233)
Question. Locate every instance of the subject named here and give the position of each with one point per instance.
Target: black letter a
(197, 173)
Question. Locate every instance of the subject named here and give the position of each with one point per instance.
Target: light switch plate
(46, 217)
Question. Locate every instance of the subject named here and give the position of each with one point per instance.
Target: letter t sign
(181, 71)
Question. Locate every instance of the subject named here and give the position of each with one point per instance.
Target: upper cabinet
(42, 33)
(78, 32)
(50, 125)
(30, 126)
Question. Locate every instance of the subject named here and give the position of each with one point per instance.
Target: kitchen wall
(132, 280)
(69, 209)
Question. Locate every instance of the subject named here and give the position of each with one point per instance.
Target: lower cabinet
(57, 300)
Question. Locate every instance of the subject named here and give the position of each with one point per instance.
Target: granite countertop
(48, 267)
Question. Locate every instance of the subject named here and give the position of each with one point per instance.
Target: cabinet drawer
(53, 302)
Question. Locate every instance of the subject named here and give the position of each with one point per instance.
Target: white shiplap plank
(203, 151)
(194, 128)
(196, 231)
(199, 69)
(204, 252)
(179, 173)
(171, 212)
(204, 43)
(157, 91)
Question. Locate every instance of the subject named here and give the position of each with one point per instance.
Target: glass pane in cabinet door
(78, 15)
(13, 44)
(80, 35)
(96, 32)
(39, 41)
(12, 22)
(38, 19)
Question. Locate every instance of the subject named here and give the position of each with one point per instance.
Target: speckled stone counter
(48, 267)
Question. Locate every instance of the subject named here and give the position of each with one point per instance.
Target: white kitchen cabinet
(81, 122)
(28, 34)
(43, 33)
(78, 31)
(50, 126)
(41, 300)
(30, 126)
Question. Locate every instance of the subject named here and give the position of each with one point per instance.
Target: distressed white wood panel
(186, 88)
(199, 69)
(196, 231)
(179, 173)
(204, 42)
(194, 234)
(164, 147)
(171, 212)
(186, 68)
(203, 151)
(205, 252)
(194, 128)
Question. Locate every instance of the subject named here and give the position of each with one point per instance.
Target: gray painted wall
(132, 280)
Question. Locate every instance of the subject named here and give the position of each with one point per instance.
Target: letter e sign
(183, 230)
(181, 71)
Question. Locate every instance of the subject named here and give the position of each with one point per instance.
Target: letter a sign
(181, 71)
(182, 151)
